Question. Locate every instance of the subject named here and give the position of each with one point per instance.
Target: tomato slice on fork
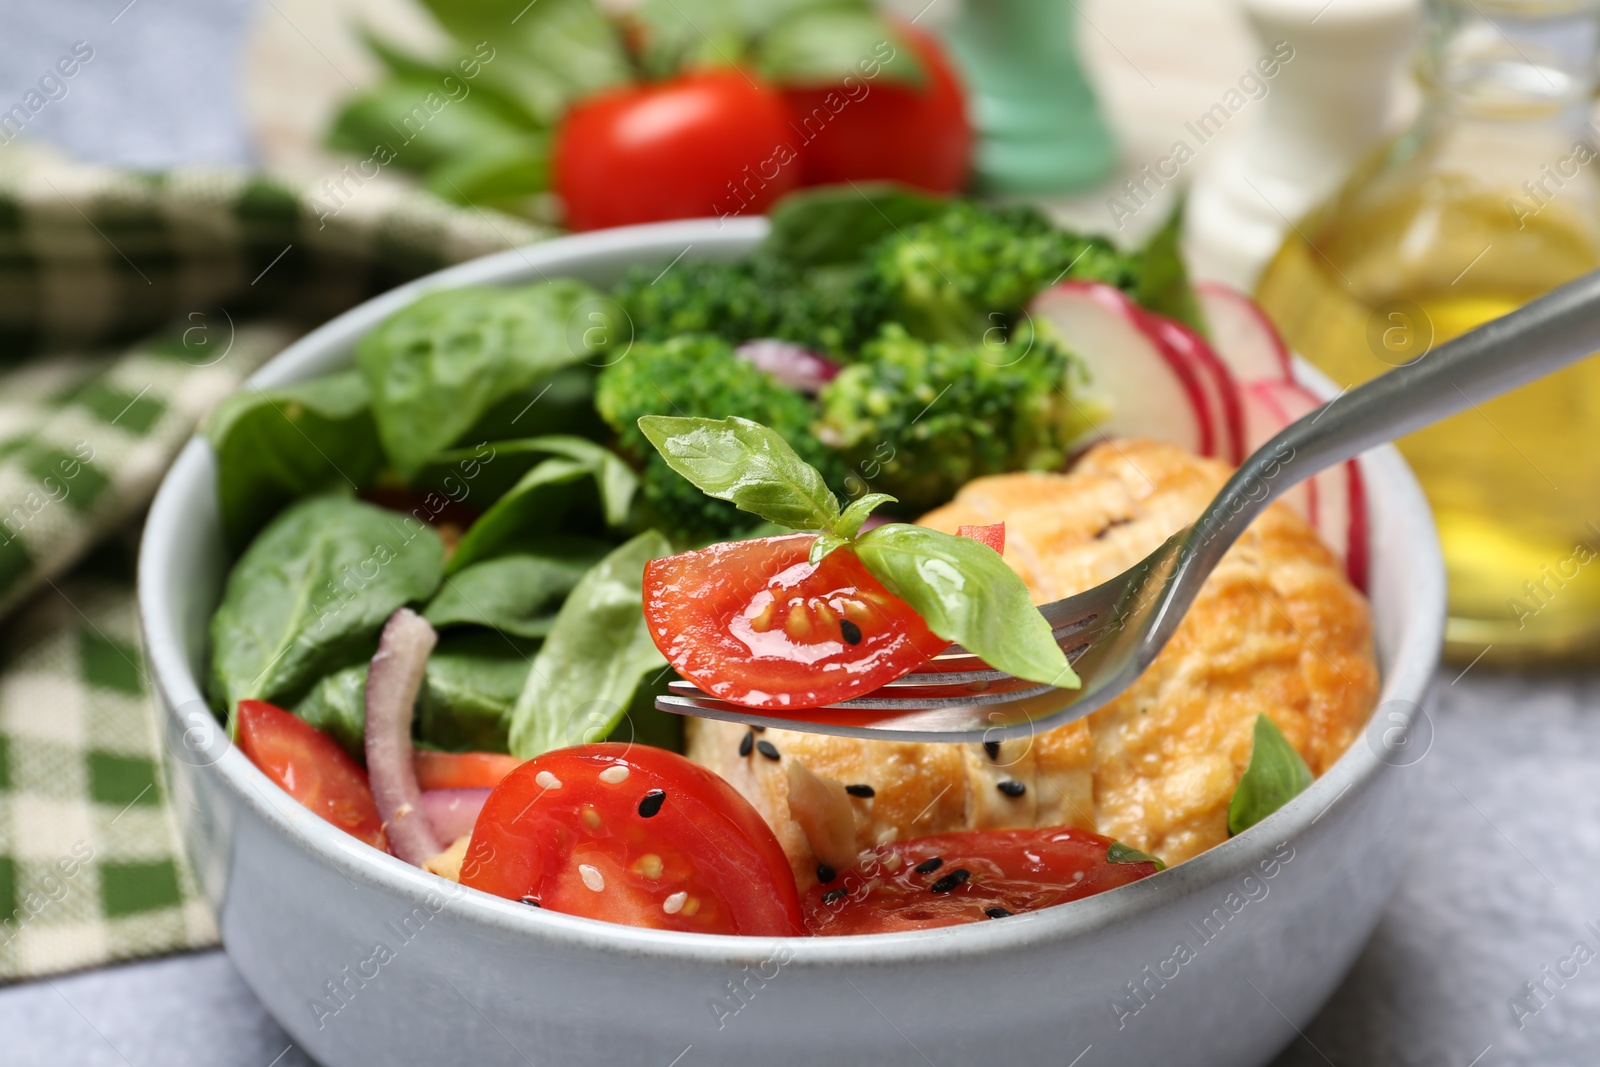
(756, 624)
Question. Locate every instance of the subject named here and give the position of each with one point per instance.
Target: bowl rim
(177, 687)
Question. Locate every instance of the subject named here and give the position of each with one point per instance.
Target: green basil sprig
(1275, 776)
(962, 589)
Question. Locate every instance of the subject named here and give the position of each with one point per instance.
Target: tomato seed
(616, 774)
(674, 904)
(592, 878)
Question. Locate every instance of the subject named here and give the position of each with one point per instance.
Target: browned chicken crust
(1277, 630)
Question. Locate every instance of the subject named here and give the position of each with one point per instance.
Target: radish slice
(452, 812)
(1334, 501)
(1150, 390)
(1268, 408)
(393, 680)
(1220, 387)
(794, 365)
(1243, 336)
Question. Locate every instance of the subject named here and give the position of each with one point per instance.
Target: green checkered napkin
(209, 274)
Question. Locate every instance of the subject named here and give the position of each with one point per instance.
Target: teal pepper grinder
(1039, 128)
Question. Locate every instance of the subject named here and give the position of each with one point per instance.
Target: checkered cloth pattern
(213, 273)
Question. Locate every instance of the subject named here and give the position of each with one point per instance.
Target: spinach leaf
(584, 678)
(540, 501)
(824, 46)
(501, 174)
(471, 684)
(748, 465)
(1276, 775)
(516, 594)
(439, 365)
(337, 705)
(833, 225)
(312, 591)
(277, 445)
(1162, 280)
(966, 593)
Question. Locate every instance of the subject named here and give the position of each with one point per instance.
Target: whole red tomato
(707, 143)
(892, 132)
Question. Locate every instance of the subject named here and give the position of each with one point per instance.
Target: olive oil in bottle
(1491, 200)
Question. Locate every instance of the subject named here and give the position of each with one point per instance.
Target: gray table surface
(1506, 847)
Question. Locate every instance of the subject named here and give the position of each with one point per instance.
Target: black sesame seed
(993, 748)
(531, 902)
(833, 895)
(1011, 788)
(746, 743)
(825, 874)
(950, 881)
(652, 803)
(865, 792)
(852, 632)
(768, 749)
(759, 729)
(929, 865)
(997, 913)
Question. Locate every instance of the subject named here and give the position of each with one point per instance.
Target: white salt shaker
(1325, 108)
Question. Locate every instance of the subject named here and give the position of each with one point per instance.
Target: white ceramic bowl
(365, 959)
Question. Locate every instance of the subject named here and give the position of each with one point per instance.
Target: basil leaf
(821, 48)
(539, 504)
(312, 591)
(274, 446)
(1162, 279)
(501, 173)
(825, 543)
(967, 594)
(585, 676)
(1117, 852)
(545, 55)
(849, 523)
(831, 225)
(439, 365)
(374, 124)
(1275, 776)
(470, 686)
(746, 464)
(517, 594)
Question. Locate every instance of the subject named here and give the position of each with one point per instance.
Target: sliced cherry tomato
(706, 143)
(634, 835)
(918, 135)
(311, 767)
(752, 622)
(462, 770)
(948, 879)
(993, 536)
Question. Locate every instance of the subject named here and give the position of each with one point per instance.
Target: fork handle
(1537, 339)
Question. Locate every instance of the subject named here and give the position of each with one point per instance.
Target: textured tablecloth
(1506, 846)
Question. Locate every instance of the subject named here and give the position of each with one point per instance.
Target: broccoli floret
(958, 276)
(918, 419)
(829, 308)
(699, 375)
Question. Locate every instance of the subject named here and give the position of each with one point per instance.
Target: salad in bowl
(431, 571)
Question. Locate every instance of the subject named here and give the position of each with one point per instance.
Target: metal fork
(1114, 631)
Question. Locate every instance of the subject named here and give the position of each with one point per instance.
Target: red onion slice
(452, 812)
(792, 364)
(393, 681)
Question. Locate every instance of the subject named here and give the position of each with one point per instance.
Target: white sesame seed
(591, 877)
(674, 904)
(546, 780)
(614, 775)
